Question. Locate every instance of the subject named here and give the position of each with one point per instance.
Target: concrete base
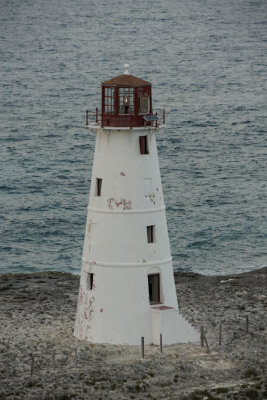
(172, 325)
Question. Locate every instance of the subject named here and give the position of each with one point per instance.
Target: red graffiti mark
(85, 315)
(90, 313)
(90, 303)
(121, 203)
(80, 296)
(101, 310)
(122, 173)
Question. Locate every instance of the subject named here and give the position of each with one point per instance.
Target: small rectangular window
(143, 105)
(109, 100)
(150, 230)
(143, 143)
(90, 281)
(98, 188)
(154, 288)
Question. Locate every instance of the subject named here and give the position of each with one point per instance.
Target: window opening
(126, 100)
(154, 288)
(98, 186)
(150, 234)
(90, 281)
(143, 143)
(109, 100)
(143, 105)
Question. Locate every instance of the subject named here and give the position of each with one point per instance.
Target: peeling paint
(121, 204)
(151, 196)
(123, 173)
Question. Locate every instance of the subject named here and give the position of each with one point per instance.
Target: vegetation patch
(221, 390)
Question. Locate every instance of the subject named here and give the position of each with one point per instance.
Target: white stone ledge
(97, 127)
(128, 265)
(141, 211)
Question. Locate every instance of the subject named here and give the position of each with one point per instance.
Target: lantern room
(126, 101)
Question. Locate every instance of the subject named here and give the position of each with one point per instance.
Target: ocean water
(207, 62)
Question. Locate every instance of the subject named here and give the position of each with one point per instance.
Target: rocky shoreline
(40, 359)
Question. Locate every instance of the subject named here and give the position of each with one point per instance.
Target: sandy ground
(40, 359)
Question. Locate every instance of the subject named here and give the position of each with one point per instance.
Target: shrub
(252, 394)
(251, 373)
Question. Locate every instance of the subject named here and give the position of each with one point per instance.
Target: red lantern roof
(126, 80)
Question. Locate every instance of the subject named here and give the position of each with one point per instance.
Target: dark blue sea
(207, 62)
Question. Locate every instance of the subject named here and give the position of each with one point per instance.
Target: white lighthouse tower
(127, 288)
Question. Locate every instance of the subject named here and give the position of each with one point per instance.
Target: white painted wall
(117, 309)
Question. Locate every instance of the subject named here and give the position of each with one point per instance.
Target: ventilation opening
(154, 288)
(90, 281)
(150, 230)
(143, 143)
(98, 188)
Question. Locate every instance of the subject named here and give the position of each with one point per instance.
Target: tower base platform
(172, 325)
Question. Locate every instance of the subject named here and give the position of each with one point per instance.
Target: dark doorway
(154, 288)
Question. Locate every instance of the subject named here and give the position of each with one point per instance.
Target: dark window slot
(154, 288)
(150, 234)
(90, 281)
(98, 186)
(143, 143)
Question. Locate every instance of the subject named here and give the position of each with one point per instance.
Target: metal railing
(94, 116)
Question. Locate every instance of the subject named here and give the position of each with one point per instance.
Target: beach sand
(40, 358)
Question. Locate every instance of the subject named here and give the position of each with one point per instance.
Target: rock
(37, 316)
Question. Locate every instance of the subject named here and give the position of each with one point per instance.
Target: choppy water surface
(207, 63)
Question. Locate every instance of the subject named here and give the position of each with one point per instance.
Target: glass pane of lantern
(126, 100)
(143, 105)
(109, 100)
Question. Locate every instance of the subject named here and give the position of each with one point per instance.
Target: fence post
(208, 349)
(163, 115)
(32, 364)
(220, 334)
(143, 346)
(156, 119)
(7, 369)
(247, 324)
(54, 359)
(160, 342)
(202, 336)
(87, 112)
(76, 357)
(96, 115)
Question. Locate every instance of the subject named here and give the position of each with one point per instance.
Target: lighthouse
(127, 288)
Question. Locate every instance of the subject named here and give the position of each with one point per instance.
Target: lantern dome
(126, 100)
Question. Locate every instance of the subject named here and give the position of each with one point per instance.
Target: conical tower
(127, 288)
